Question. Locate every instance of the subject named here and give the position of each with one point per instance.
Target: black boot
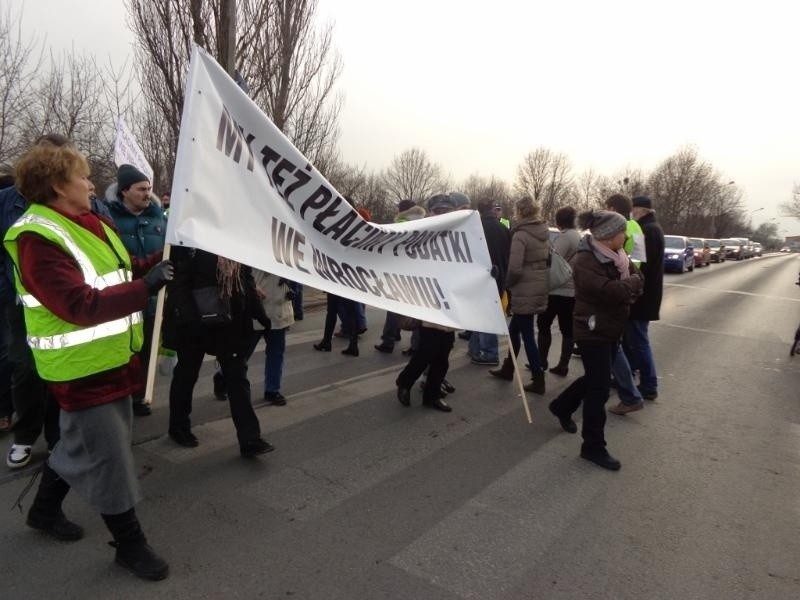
(133, 552)
(352, 348)
(506, 370)
(536, 385)
(562, 368)
(46, 514)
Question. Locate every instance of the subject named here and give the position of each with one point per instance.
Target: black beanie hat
(127, 175)
(643, 201)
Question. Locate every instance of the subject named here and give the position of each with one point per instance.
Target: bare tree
(547, 177)
(792, 207)
(411, 175)
(588, 191)
(290, 66)
(482, 188)
(19, 62)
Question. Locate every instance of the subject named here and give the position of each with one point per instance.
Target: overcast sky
(611, 84)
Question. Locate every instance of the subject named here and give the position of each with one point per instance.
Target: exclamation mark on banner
(439, 289)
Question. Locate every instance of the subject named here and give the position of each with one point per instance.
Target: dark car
(717, 250)
(734, 248)
(702, 253)
(678, 254)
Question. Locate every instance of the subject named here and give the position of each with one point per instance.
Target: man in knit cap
(142, 227)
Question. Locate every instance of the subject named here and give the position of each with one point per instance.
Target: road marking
(740, 293)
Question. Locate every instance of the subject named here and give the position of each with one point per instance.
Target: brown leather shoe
(623, 409)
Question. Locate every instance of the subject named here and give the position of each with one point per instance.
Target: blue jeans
(389, 329)
(297, 302)
(641, 355)
(273, 361)
(626, 386)
(522, 325)
(360, 316)
(484, 346)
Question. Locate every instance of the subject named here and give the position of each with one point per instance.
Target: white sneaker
(18, 456)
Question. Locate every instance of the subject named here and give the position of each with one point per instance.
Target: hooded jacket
(602, 298)
(527, 278)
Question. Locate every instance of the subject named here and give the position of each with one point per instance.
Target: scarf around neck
(619, 258)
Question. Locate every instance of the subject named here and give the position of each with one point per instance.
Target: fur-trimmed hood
(412, 214)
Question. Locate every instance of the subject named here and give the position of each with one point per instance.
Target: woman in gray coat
(527, 286)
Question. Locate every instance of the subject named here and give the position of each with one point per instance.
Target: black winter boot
(45, 513)
(352, 348)
(506, 370)
(537, 383)
(133, 552)
(562, 368)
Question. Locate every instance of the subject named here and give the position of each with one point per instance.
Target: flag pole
(155, 344)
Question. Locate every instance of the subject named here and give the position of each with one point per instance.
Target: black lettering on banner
(466, 246)
(347, 238)
(431, 297)
(318, 198)
(269, 155)
(395, 289)
(444, 247)
(455, 237)
(365, 276)
(285, 244)
(331, 210)
(337, 229)
(353, 277)
(421, 290)
(284, 165)
(408, 289)
(381, 285)
(435, 250)
(320, 265)
(297, 253)
(370, 231)
(302, 179)
(229, 138)
(392, 238)
(441, 293)
(336, 270)
(251, 159)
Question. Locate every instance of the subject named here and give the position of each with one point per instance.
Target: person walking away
(647, 308)
(142, 227)
(630, 399)
(606, 284)
(407, 210)
(82, 311)
(527, 285)
(484, 347)
(434, 346)
(560, 301)
(210, 308)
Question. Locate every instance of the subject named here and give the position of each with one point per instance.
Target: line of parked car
(683, 253)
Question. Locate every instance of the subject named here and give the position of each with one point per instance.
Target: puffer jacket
(277, 307)
(602, 299)
(527, 278)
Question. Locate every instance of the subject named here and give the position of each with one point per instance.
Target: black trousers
(560, 307)
(33, 405)
(433, 353)
(591, 388)
(349, 316)
(234, 370)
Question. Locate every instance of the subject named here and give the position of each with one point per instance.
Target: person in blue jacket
(142, 227)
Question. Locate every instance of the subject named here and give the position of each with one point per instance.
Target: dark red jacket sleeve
(55, 279)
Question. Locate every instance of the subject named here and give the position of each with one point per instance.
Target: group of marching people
(603, 310)
(79, 282)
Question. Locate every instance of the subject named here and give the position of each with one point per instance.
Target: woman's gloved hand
(159, 275)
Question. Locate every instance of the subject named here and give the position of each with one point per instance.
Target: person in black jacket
(647, 307)
(483, 347)
(211, 305)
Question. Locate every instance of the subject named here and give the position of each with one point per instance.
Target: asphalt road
(366, 499)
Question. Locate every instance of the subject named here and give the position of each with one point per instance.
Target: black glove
(158, 276)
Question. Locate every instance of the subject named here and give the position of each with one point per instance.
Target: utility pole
(227, 36)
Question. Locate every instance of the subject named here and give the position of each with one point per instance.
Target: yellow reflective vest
(65, 351)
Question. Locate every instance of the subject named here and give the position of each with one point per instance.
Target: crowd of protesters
(79, 282)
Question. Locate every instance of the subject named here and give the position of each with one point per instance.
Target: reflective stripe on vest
(84, 336)
(101, 282)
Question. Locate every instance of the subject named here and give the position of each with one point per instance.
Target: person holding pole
(84, 326)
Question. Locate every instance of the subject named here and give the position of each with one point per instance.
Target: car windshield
(713, 243)
(696, 242)
(674, 241)
(731, 242)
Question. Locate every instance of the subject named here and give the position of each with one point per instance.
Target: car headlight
(673, 256)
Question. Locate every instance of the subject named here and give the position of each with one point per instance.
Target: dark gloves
(158, 276)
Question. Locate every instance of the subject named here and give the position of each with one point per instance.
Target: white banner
(128, 152)
(243, 191)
